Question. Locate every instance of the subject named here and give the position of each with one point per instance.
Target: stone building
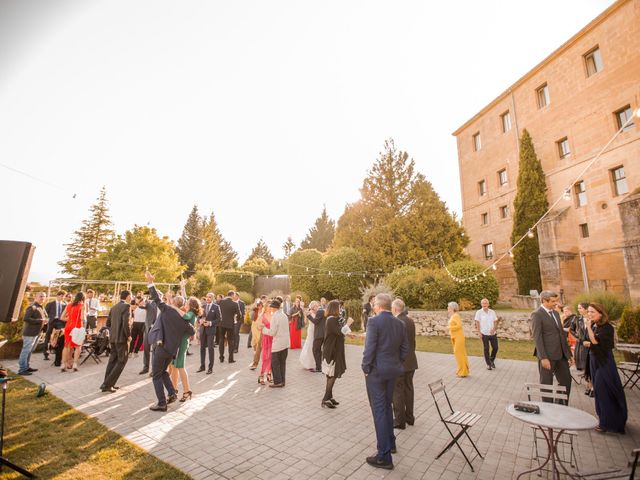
(572, 103)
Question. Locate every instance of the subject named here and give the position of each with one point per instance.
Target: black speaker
(15, 263)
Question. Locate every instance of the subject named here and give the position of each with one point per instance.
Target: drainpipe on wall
(583, 267)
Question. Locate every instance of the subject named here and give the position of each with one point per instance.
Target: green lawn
(53, 440)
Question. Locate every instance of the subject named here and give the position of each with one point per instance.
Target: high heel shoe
(261, 380)
(186, 396)
(327, 403)
(334, 401)
(269, 377)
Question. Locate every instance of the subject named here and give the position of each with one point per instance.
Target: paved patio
(233, 428)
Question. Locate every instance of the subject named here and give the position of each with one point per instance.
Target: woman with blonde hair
(457, 339)
(193, 310)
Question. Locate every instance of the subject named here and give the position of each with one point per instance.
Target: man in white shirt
(486, 327)
(92, 305)
(279, 330)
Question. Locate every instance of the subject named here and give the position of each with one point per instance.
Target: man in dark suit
(54, 311)
(386, 348)
(207, 332)
(552, 348)
(317, 317)
(229, 310)
(34, 319)
(403, 390)
(150, 319)
(119, 336)
(239, 321)
(165, 337)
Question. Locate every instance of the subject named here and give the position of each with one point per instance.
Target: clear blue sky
(259, 111)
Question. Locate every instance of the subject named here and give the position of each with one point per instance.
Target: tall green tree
(190, 247)
(321, 235)
(217, 252)
(529, 205)
(261, 251)
(399, 218)
(288, 247)
(93, 238)
(128, 257)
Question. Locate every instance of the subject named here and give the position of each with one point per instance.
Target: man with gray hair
(485, 321)
(552, 349)
(403, 390)
(386, 348)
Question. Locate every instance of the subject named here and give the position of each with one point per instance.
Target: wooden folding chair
(455, 419)
(631, 373)
(541, 392)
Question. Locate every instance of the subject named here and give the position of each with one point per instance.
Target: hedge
(302, 267)
(344, 259)
(242, 280)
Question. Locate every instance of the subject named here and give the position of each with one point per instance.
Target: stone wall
(511, 325)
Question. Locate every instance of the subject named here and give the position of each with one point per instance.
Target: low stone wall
(511, 325)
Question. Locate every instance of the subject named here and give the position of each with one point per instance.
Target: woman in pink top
(74, 315)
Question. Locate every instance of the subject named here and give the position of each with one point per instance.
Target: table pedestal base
(552, 456)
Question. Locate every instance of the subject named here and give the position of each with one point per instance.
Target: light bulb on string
(530, 233)
(494, 266)
(511, 253)
(484, 274)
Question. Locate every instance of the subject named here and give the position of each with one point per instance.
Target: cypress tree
(92, 239)
(529, 205)
(190, 246)
(261, 251)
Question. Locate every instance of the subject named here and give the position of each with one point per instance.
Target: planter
(11, 350)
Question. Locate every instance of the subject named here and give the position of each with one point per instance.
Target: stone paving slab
(233, 428)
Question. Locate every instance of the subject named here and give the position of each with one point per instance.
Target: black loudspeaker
(15, 263)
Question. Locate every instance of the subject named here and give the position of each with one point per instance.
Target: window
(563, 147)
(477, 144)
(482, 187)
(580, 191)
(584, 230)
(504, 211)
(484, 218)
(593, 61)
(506, 121)
(502, 177)
(487, 249)
(622, 116)
(542, 94)
(620, 186)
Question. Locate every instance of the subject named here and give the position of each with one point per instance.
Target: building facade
(572, 103)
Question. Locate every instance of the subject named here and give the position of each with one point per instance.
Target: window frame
(484, 218)
(614, 180)
(506, 177)
(482, 188)
(504, 211)
(617, 114)
(487, 251)
(584, 230)
(561, 153)
(506, 115)
(580, 193)
(476, 140)
(542, 92)
(597, 65)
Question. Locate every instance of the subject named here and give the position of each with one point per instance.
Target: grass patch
(53, 440)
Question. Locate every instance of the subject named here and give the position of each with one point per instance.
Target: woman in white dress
(306, 356)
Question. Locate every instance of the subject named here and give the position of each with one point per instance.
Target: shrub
(12, 331)
(474, 290)
(201, 283)
(343, 259)
(629, 327)
(399, 274)
(465, 304)
(242, 280)
(222, 288)
(379, 287)
(354, 310)
(259, 266)
(247, 298)
(613, 303)
(302, 267)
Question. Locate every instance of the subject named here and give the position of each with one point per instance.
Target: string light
(530, 233)
(511, 253)
(494, 267)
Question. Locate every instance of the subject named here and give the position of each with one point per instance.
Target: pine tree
(399, 217)
(529, 205)
(217, 252)
(261, 251)
(288, 247)
(93, 238)
(190, 246)
(321, 235)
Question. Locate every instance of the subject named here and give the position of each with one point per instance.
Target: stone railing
(511, 325)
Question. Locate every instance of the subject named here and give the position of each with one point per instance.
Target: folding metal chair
(631, 373)
(455, 419)
(540, 392)
(618, 473)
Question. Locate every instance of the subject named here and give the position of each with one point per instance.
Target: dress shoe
(143, 371)
(400, 427)
(221, 359)
(116, 387)
(201, 369)
(376, 462)
(209, 371)
(232, 361)
(25, 373)
(394, 450)
(32, 369)
(108, 390)
(488, 367)
(411, 422)
(158, 408)
(46, 356)
(172, 398)
(493, 364)
(276, 385)
(327, 404)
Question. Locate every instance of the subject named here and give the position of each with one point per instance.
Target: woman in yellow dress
(457, 339)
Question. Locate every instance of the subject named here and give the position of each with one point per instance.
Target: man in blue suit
(385, 350)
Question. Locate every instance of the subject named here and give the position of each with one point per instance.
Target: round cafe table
(553, 420)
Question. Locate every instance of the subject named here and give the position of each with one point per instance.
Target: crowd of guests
(164, 326)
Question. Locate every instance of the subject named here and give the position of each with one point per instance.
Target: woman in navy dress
(611, 404)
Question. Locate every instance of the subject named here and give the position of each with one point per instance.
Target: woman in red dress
(74, 315)
(296, 322)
